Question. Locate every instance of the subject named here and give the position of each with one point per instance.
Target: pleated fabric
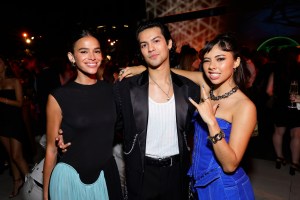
(65, 184)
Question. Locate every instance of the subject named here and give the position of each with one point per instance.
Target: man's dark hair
(165, 32)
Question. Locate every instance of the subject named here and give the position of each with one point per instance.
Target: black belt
(162, 162)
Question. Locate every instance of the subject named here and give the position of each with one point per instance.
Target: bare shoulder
(244, 105)
(236, 107)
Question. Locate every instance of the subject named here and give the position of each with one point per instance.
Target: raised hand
(205, 107)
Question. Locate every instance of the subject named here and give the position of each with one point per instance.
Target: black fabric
(11, 119)
(46, 81)
(162, 183)
(132, 97)
(89, 116)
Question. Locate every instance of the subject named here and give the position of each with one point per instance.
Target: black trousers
(162, 183)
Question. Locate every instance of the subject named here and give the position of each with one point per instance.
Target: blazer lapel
(139, 101)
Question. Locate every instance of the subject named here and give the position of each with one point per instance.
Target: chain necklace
(223, 96)
(166, 93)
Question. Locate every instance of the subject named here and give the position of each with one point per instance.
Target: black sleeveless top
(89, 117)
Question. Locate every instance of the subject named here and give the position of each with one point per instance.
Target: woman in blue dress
(224, 123)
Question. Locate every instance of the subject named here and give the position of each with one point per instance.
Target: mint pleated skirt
(65, 184)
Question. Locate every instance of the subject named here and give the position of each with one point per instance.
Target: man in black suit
(156, 116)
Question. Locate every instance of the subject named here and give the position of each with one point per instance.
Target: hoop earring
(73, 64)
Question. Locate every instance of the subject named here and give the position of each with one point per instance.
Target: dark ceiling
(52, 20)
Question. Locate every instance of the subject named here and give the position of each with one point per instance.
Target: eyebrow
(219, 55)
(86, 48)
(156, 37)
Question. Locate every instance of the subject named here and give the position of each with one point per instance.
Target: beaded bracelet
(219, 136)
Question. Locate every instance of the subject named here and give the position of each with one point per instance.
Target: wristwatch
(217, 137)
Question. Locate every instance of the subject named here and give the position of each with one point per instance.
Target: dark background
(52, 21)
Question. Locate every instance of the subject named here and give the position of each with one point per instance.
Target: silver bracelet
(219, 136)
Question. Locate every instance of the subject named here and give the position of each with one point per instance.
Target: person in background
(12, 128)
(46, 80)
(188, 58)
(286, 120)
(224, 122)
(29, 68)
(85, 110)
(247, 56)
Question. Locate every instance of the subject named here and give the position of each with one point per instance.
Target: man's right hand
(60, 142)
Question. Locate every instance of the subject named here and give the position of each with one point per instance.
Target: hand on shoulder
(131, 71)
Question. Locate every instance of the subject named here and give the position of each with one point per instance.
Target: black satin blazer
(132, 103)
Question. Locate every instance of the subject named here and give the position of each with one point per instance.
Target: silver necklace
(167, 94)
(223, 96)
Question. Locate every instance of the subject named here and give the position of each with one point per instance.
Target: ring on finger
(206, 98)
(202, 100)
(122, 72)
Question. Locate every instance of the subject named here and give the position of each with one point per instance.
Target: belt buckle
(171, 162)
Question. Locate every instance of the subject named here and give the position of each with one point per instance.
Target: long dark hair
(228, 42)
(165, 32)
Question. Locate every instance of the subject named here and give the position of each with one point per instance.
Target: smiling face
(154, 47)
(219, 65)
(87, 55)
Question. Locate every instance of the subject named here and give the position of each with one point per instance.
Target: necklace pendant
(168, 98)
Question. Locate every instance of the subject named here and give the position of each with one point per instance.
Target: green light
(279, 42)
